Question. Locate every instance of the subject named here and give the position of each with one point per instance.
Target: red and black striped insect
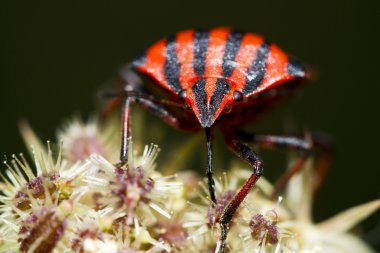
(215, 78)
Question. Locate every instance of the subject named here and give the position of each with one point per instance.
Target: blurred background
(55, 56)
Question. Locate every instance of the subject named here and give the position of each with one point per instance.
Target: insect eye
(182, 95)
(227, 109)
(238, 96)
(188, 107)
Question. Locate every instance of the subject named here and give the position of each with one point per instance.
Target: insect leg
(126, 81)
(152, 105)
(125, 130)
(307, 146)
(155, 107)
(130, 81)
(246, 153)
(209, 173)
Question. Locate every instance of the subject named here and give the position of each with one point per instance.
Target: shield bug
(216, 78)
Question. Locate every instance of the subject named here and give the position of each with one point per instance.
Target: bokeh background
(55, 56)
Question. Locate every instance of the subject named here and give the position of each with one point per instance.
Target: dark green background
(55, 55)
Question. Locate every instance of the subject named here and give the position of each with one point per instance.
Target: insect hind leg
(307, 146)
(250, 156)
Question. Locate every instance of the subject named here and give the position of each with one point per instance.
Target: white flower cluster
(78, 200)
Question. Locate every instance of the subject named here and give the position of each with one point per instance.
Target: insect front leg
(125, 130)
(209, 172)
(126, 81)
(154, 106)
(250, 156)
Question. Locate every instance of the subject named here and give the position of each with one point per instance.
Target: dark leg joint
(247, 154)
(259, 168)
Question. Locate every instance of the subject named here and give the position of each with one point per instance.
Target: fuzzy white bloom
(293, 221)
(135, 190)
(80, 140)
(34, 206)
(81, 201)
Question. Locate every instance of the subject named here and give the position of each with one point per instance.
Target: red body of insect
(220, 78)
(219, 70)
